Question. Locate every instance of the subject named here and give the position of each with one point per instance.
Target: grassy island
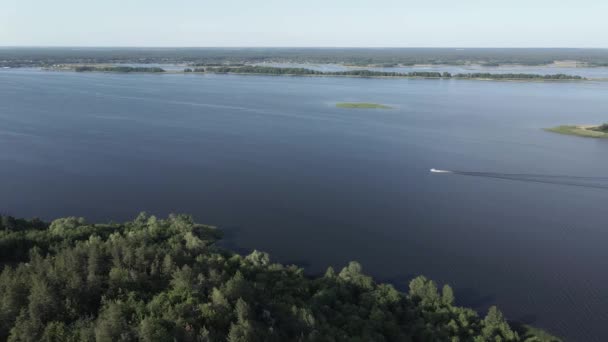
(156, 279)
(362, 105)
(600, 131)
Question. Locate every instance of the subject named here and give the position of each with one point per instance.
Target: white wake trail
(441, 171)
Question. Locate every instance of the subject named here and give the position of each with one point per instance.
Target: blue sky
(379, 23)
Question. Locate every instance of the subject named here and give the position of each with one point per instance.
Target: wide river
(280, 168)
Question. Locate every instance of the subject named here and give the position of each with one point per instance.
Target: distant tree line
(252, 69)
(157, 279)
(125, 69)
(520, 76)
(22, 57)
(371, 73)
(268, 70)
(303, 71)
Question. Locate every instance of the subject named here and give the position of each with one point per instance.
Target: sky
(310, 23)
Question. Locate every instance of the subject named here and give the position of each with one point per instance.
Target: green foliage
(496, 328)
(424, 291)
(532, 334)
(60, 226)
(165, 280)
(155, 330)
(447, 295)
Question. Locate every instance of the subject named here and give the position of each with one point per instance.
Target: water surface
(273, 161)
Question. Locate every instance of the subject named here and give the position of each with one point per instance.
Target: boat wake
(579, 181)
(440, 171)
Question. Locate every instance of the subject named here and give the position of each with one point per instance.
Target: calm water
(273, 161)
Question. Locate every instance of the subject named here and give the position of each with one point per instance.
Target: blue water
(281, 169)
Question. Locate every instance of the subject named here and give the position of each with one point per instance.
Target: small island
(362, 105)
(600, 131)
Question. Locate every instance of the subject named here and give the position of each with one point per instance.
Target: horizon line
(292, 47)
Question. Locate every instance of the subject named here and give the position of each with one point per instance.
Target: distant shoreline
(356, 73)
(554, 64)
(409, 77)
(356, 57)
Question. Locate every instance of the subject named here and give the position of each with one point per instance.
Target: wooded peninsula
(155, 279)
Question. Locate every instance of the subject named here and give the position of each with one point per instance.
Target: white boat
(440, 171)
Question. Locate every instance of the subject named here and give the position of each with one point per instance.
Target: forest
(155, 279)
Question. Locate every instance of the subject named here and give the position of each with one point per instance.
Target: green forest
(157, 279)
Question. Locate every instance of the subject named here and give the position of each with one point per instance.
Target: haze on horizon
(314, 23)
